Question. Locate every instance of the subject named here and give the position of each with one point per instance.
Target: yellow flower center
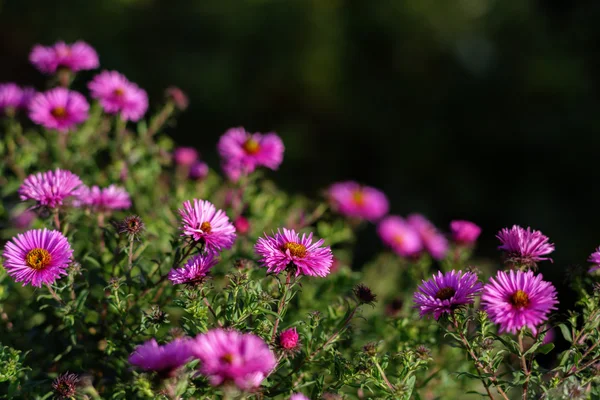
(58, 112)
(445, 293)
(205, 227)
(251, 146)
(358, 197)
(296, 249)
(38, 259)
(519, 299)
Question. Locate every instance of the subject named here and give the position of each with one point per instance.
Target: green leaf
(566, 332)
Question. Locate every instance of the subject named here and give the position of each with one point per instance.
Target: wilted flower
(133, 226)
(75, 57)
(119, 96)
(443, 293)
(524, 246)
(59, 109)
(464, 232)
(434, 242)
(178, 97)
(231, 356)
(282, 249)
(354, 200)
(104, 199)
(203, 222)
(403, 239)
(518, 299)
(50, 188)
(164, 359)
(65, 385)
(241, 152)
(37, 257)
(363, 294)
(394, 307)
(595, 259)
(194, 270)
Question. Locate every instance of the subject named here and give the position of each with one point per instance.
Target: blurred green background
(477, 109)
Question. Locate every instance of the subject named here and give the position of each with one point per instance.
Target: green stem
(526, 371)
(281, 304)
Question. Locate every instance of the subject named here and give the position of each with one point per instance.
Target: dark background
(477, 109)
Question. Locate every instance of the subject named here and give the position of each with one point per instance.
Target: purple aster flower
(198, 171)
(59, 109)
(23, 220)
(50, 188)
(400, 236)
(104, 199)
(231, 356)
(117, 95)
(185, 156)
(26, 97)
(464, 232)
(78, 56)
(37, 257)
(353, 200)
(194, 270)
(595, 259)
(518, 299)
(65, 386)
(446, 292)
(164, 359)
(524, 246)
(298, 396)
(11, 96)
(241, 152)
(282, 249)
(203, 222)
(289, 341)
(434, 242)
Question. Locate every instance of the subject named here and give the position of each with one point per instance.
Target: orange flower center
(227, 358)
(519, 299)
(251, 146)
(58, 112)
(358, 197)
(445, 293)
(119, 92)
(38, 259)
(205, 227)
(398, 239)
(296, 249)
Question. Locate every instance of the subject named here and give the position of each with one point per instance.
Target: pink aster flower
(104, 199)
(78, 56)
(11, 96)
(595, 259)
(403, 239)
(59, 109)
(524, 246)
(298, 396)
(241, 152)
(282, 249)
(289, 340)
(164, 359)
(443, 293)
(203, 222)
(28, 93)
(198, 171)
(464, 232)
(37, 257)
(518, 299)
(50, 188)
(185, 156)
(434, 242)
(242, 225)
(117, 95)
(356, 201)
(194, 270)
(231, 356)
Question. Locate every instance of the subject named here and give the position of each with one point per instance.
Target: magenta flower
(185, 156)
(524, 247)
(194, 270)
(595, 259)
(23, 220)
(119, 96)
(50, 188)
(12, 98)
(434, 242)
(203, 222)
(282, 249)
(231, 356)
(198, 171)
(356, 201)
(518, 299)
(464, 232)
(78, 56)
(164, 359)
(298, 396)
(241, 152)
(289, 340)
(103, 199)
(446, 292)
(178, 97)
(400, 236)
(242, 225)
(59, 109)
(37, 257)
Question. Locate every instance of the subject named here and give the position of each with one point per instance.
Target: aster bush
(132, 269)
